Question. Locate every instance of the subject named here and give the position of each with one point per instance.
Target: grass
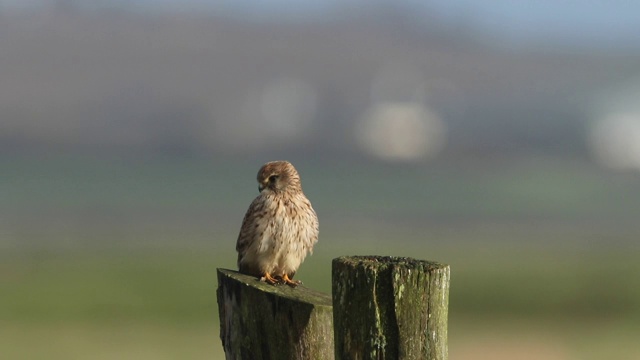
(71, 340)
(542, 338)
(146, 286)
(160, 303)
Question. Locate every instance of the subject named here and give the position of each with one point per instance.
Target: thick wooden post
(262, 321)
(390, 308)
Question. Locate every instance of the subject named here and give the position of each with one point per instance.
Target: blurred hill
(185, 83)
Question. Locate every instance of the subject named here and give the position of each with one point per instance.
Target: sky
(580, 22)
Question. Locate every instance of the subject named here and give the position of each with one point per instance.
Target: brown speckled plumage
(279, 228)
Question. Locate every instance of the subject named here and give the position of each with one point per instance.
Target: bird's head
(278, 176)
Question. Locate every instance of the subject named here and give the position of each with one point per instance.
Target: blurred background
(502, 138)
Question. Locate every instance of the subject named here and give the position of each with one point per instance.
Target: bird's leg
(290, 282)
(269, 279)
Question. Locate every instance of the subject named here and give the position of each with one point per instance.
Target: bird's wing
(313, 228)
(247, 230)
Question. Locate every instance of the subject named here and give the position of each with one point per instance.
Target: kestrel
(279, 228)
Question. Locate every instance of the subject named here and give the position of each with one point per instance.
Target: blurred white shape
(401, 131)
(399, 126)
(615, 141)
(279, 113)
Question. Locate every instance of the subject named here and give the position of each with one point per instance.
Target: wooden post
(262, 321)
(390, 308)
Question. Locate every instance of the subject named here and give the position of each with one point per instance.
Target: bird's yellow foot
(290, 282)
(270, 279)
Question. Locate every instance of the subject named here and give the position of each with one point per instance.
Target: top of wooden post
(383, 262)
(300, 293)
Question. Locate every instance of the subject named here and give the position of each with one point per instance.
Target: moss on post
(390, 308)
(261, 321)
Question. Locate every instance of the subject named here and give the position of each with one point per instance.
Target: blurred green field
(523, 189)
(160, 304)
(115, 258)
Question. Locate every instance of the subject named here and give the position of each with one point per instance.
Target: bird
(280, 227)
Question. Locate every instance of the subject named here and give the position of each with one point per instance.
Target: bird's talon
(270, 280)
(290, 282)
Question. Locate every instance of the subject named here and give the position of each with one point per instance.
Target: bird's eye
(273, 178)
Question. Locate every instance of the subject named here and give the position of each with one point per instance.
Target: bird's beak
(261, 187)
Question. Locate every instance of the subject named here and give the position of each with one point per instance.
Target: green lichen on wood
(390, 308)
(262, 321)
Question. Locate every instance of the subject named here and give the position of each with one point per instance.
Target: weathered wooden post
(390, 308)
(261, 321)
